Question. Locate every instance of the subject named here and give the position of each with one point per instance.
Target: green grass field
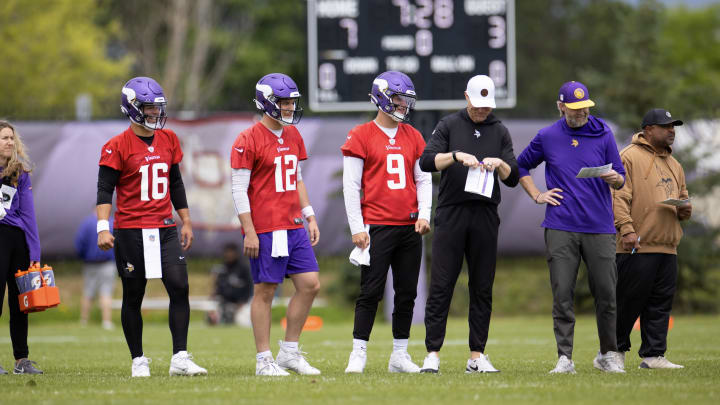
(91, 365)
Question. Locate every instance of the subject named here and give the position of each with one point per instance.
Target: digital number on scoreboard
(440, 44)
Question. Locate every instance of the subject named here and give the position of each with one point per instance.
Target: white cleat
(564, 366)
(181, 364)
(401, 362)
(431, 364)
(268, 367)
(659, 362)
(608, 362)
(480, 365)
(141, 367)
(294, 360)
(356, 363)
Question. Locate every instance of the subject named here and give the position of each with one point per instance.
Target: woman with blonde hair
(19, 243)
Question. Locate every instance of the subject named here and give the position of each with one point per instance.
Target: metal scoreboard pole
(440, 44)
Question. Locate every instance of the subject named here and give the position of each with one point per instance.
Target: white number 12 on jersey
(159, 183)
(396, 165)
(291, 168)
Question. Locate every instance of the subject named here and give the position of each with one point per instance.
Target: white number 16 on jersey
(396, 165)
(159, 183)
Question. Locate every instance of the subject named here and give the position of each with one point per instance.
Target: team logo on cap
(668, 114)
(484, 92)
(579, 93)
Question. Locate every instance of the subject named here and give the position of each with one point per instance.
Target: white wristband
(307, 212)
(103, 225)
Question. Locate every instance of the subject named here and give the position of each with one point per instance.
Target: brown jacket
(652, 176)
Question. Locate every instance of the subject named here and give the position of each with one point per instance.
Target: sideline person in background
(98, 272)
(466, 223)
(578, 218)
(381, 164)
(648, 233)
(143, 164)
(271, 201)
(19, 242)
(232, 285)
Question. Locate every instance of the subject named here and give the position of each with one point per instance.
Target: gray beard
(572, 123)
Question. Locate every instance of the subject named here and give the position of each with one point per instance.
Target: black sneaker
(26, 366)
(2, 371)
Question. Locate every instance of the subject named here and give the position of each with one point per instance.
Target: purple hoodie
(587, 203)
(22, 214)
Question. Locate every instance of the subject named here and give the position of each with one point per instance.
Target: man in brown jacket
(648, 235)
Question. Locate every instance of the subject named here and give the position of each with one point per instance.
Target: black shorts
(130, 257)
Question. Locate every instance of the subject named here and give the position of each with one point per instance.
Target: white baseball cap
(481, 91)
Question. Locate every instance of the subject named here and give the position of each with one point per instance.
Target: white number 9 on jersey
(396, 165)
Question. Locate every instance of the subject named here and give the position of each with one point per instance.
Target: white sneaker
(480, 365)
(356, 363)
(620, 357)
(108, 325)
(181, 364)
(608, 363)
(268, 367)
(401, 362)
(141, 367)
(294, 360)
(431, 364)
(564, 366)
(658, 362)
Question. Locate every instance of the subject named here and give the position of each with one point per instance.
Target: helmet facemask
(153, 115)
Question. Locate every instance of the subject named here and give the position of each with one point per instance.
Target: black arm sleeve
(438, 143)
(107, 180)
(177, 188)
(508, 156)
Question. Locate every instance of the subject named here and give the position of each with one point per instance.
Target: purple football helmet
(140, 93)
(270, 90)
(394, 94)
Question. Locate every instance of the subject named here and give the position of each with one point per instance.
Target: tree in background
(54, 51)
(208, 54)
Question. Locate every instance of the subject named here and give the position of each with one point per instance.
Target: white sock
(434, 354)
(359, 344)
(262, 355)
(400, 345)
(289, 346)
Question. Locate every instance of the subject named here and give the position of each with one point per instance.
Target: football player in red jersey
(142, 164)
(271, 201)
(381, 160)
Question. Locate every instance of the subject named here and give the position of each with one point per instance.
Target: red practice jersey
(388, 181)
(273, 161)
(143, 198)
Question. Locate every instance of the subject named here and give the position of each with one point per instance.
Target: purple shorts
(301, 259)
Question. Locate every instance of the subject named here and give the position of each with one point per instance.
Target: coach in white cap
(466, 223)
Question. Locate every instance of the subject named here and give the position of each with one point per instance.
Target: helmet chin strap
(280, 120)
(393, 116)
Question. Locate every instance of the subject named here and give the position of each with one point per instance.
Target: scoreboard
(440, 44)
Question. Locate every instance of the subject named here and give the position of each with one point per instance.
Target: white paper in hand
(598, 171)
(480, 182)
(675, 202)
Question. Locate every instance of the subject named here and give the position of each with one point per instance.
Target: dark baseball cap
(575, 95)
(659, 116)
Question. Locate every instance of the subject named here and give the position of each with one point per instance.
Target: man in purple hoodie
(579, 219)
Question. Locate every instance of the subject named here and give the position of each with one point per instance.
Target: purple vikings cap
(575, 95)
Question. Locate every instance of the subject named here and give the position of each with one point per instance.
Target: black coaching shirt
(457, 131)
